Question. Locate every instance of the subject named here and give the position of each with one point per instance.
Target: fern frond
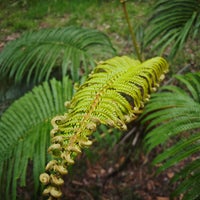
(114, 94)
(173, 22)
(24, 129)
(191, 170)
(36, 55)
(175, 112)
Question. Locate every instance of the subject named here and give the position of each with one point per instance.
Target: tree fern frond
(113, 95)
(23, 134)
(191, 170)
(188, 147)
(176, 112)
(173, 21)
(191, 81)
(36, 55)
(189, 187)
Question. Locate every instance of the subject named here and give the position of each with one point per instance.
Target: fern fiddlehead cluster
(114, 94)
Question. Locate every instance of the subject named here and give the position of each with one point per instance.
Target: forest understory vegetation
(119, 164)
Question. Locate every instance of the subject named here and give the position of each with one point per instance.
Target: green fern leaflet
(173, 22)
(174, 114)
(36, 56)
(24, 134)
(114, 94)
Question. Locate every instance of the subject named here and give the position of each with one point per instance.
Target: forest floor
(118, 177)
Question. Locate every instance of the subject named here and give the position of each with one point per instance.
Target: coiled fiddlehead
(114, 94)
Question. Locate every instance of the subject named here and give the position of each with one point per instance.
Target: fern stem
(123, 2)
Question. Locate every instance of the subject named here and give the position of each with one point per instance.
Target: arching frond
(173, 22)
(35, 55)
(24, 134)
(114, 94)
(176, 112)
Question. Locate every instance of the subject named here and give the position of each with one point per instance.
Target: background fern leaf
(36, 55)
(24, 133)
(173, 22)
(175, 113)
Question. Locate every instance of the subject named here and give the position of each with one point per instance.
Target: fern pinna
(174, 115)
(114, 94)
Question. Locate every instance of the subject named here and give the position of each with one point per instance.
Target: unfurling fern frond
(24, 134)
(114, 94)
(35, 55)
(175, 112)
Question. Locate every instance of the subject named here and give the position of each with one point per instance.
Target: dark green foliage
(24, 127)
(36, 56)
(107, 137)
(174, 114)
(173, 22)
(24, 134)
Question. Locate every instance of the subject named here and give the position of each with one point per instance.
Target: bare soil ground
(117, 176)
